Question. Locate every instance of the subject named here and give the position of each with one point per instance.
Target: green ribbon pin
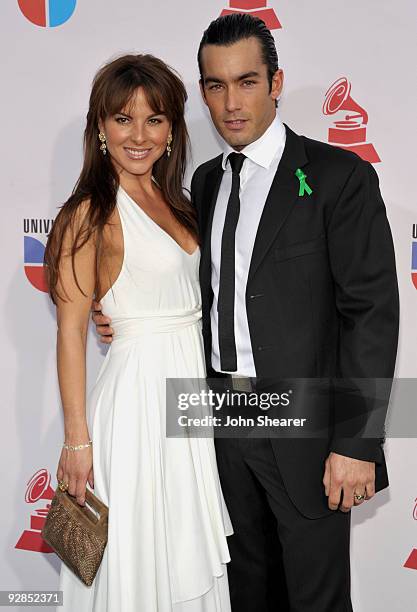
(303, 185)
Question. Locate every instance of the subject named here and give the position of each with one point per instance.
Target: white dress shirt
(256, 176)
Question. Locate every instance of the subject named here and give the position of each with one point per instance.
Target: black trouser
(308, 562)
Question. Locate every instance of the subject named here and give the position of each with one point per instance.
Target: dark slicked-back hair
(232, 28)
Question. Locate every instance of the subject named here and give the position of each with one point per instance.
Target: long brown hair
(113, 89)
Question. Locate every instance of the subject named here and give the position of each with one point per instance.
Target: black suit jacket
(321, 296)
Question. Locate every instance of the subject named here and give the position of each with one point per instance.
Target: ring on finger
(63, 486)
(359, 497)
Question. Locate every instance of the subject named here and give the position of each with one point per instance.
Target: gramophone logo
(47, 13)
(414, 256)
(38, 488)
(348, 132)
(34, 251)
(257, 8)
(411, 562)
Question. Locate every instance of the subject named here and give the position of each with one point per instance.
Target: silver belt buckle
(241, 383)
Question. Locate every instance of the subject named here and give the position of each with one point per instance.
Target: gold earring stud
(103, 146)
(169, 141)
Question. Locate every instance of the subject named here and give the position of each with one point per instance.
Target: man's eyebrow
(212, 79)
(241, 77)
(248, 75)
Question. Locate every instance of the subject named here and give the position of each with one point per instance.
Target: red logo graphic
(47, 13)
(411, 562)
(350, 132)
(414, 258)
(38, 488)
(34, 270)
(257, 8)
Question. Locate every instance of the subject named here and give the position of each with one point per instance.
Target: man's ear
(203, 94)
(277, 84)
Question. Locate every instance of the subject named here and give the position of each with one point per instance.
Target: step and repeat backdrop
(348, 81)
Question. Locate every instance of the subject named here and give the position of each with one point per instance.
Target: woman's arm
(75, 467)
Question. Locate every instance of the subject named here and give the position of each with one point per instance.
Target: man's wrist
(365, 449)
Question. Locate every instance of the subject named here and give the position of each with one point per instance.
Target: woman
(127, 237)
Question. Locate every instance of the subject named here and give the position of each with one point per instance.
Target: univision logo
(34, 251)
(47, 13)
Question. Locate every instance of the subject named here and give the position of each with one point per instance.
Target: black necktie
(226, 299)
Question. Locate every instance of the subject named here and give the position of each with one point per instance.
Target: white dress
(167, 547)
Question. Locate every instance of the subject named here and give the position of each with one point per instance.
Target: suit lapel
(281, 198)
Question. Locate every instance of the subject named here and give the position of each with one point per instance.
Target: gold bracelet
(79, 447)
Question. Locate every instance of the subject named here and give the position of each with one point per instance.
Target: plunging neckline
(161, 229)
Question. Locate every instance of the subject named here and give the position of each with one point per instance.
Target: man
(298, 281)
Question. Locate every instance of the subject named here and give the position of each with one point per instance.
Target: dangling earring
(102, 139)
(169, 141)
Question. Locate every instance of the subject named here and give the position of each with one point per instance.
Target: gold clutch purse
(77, 535)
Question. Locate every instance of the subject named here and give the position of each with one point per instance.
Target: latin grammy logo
(257, 8)
(411, 562)
(38, 488)
(350, 132)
